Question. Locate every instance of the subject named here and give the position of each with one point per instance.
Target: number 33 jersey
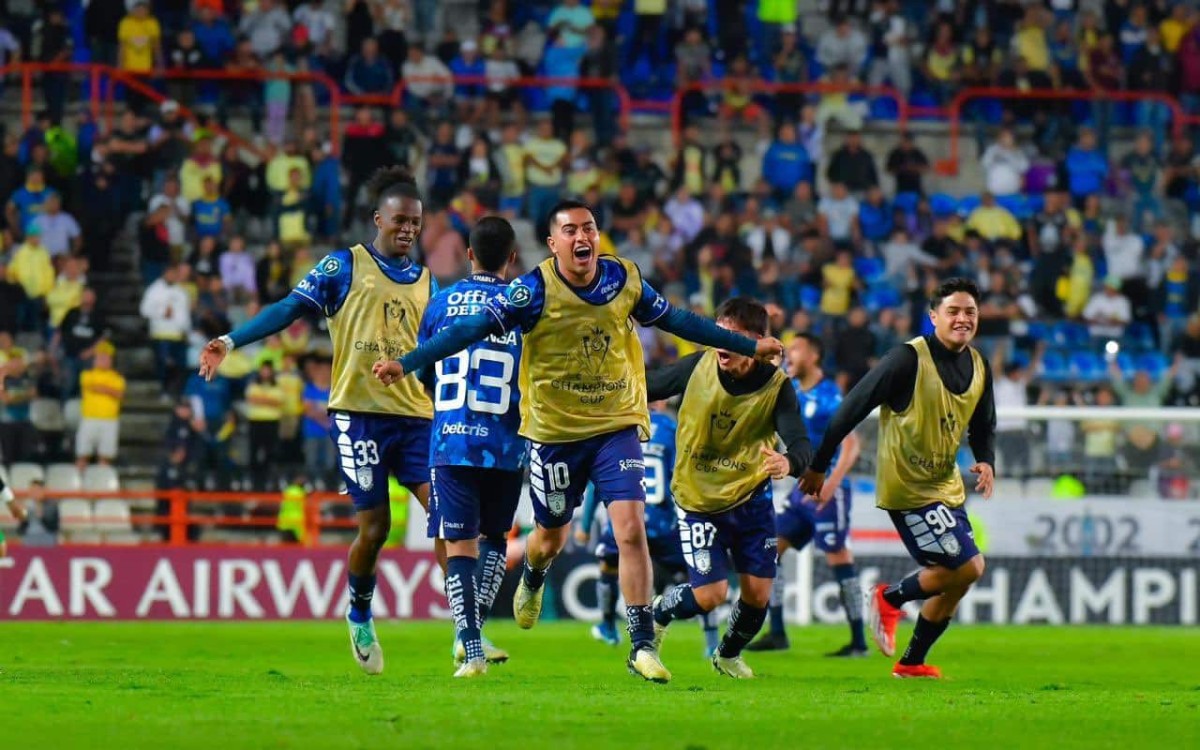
(476, 399)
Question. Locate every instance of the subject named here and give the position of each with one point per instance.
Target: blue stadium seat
(884, 108)
(1154, 363)
(1128, 364)
(1087, 365)
(1036, 202)
(1017, 205)
(943, 205)
(907, 202)
(1139, 337)
(1054, 367)
(810, 297)
(1038, 331)
(967, 204)
(1069, 335)
(1020, 357)
(880, 297)
(869, 269)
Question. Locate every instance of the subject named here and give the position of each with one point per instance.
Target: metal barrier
(767, 87)
(949, 165)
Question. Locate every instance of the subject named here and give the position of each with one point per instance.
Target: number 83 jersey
(476, 400)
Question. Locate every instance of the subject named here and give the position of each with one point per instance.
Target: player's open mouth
(963, 329)
(723, 358)
(582, 252)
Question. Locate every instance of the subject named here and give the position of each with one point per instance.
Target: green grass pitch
(293, 685)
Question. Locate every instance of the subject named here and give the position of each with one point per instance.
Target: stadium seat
(880, 297)
(943, 205)
(1036, 203)
(1087, 365)
(1054, 367)
(1038, 331)
(1070, 335)
(1142, 488)
(1154, 363)
(23, 475)
(810, 297)
(46, 414)
(72, 413)
(1039, 488)
(869, 269)
(63, 477)
(1139, 337)
(1127, 363)
(75, 519)
(907, 202)
(97, 478)
(112, 516)
(1016, 205)
(967, 204)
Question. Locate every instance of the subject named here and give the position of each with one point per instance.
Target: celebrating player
(662, 529)
(823, 520)
(930, 391)
(732, 409)
(373, 296)
(477, 460)
(583, 402)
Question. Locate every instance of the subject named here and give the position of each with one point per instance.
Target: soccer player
(929, 390)
(662, 529)
(732, 409)
(373, 296)
(824, 520)
(583, 401)
(477, 459)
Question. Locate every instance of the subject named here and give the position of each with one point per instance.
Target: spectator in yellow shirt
(102, 389)
(265, 402)
(67, 292)
(1029, 43)
(140, 40)
(840, 281)
(201, 164)
(32, 268)
(993, 221)
(1174, 27)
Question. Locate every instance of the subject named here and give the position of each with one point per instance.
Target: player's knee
(373, 535)
(972, 571)
(629, 533)
(712, 596)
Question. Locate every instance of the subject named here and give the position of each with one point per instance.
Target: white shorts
(97, 437)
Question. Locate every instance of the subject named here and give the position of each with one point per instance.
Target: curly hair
(392, 182)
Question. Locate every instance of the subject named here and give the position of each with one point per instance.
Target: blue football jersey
(476, 397)
(659, 456)
(817, 407)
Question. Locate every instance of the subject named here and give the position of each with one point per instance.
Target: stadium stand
(204, 172)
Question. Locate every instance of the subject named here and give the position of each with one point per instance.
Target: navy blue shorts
(800, 522)
(372, 446)
(936, 535)
(667, 550)
(559, 473)
(465, 502)
(744, 535)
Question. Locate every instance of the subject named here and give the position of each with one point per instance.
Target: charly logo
(394, 313)
(721, 424)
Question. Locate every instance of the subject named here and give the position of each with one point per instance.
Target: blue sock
(744, 624)
(708, 621)
(460, 591)
(533, 577)
(776, 608)
(678, 603)
(606, 597)
(362, 589)
(641, 626)
(924, 636)
(493, 559)
(850, 592)
(908, 589)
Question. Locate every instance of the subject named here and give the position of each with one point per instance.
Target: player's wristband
(227, 341)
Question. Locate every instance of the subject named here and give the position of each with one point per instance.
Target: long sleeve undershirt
(270, 320)
(673, 379)
(893, 381)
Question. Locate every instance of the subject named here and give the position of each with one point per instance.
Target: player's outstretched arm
(270, 320)
(450, 340)
(670, 380)
(700, 330)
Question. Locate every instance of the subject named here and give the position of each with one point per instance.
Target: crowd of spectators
(1081, 243)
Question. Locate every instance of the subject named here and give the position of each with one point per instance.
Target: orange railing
(949, 165)
(180, 515)
(767, 87)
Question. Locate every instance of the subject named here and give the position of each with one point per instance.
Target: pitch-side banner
(144, 583)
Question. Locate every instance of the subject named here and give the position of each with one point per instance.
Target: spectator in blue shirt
(325, 194)
(1086, 165)
(213, 37)
(561, 60)
(27, 201)
(875, 217)
(1133, 33)
(469, 95)
(210, 214)
(570, 21)
(212, 404)
(786, 164)
(369, 72)
(318, 448)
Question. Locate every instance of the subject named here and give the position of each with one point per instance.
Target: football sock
(851, 595)
(744, 624)
(708, 621)
(493, 557)
(776, 608)
(924, 636)
(460, 591)
(362, 589)
(533, 577)
(678, 603)
(908, 589)
(606, 596)
(641, 626)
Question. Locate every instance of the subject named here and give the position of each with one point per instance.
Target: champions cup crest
(394, 314)
(722, 424)
(594, 344)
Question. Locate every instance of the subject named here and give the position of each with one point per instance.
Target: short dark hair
(567, 204)
(492, 241)
(814, 342)
(392, 182)
(749, 314)
(953, 286)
